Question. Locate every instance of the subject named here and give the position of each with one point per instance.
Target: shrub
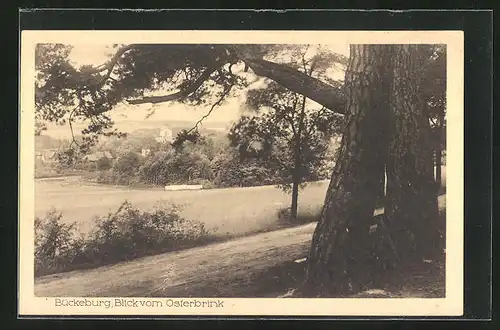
(103, 163)
(183, 166)
(127, 164)
(56, 245)
(207, 184)
(285, 216)
(230, 172)
(126, 234)
(46, 172)
(156, 168)
(106, 177)
(130, 233)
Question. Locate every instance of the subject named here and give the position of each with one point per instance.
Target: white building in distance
(166, 135)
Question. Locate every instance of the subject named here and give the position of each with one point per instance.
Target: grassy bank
(125, 234)
(262, 265)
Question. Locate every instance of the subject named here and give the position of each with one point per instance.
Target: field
(268, 258)
(225, 212)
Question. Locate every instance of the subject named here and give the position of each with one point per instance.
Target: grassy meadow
(225, 212)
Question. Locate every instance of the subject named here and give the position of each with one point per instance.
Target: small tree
(288, 134)
(126, 167)
(187, 164)
(190, 164)
(155, 169)
(230, 170)
(39, 127)
(68, 158)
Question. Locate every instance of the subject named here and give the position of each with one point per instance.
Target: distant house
(98, 155)
(38, 155)
(145, 152)
(166, 135)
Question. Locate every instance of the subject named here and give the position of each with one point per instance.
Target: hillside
(129, 126)
(153, 132)
(217, 270)
(57, 136)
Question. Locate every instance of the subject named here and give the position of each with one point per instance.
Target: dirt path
(178, 273)
(222, 269)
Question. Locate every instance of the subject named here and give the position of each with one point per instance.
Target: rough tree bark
(411, 201)
(341, 259)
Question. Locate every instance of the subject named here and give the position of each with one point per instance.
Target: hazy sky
(96, 54)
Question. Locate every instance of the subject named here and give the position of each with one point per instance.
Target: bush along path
(124, 235)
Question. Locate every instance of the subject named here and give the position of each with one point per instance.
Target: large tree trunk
(341, 256)
(411, 203)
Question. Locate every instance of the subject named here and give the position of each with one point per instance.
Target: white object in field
(184, 187)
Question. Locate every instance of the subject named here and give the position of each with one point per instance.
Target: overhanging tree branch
(183, 93)
(217, 103)
(292, 79)
(298, 82)
(108, 66)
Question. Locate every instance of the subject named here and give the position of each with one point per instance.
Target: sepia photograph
(184, 172)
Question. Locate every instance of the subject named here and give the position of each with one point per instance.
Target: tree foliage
(290, 135)
(126, 167)
(191, 73)
(189, 164)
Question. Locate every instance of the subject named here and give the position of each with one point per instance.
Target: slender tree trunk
(297, 153)
(295, 200)
(295, 181)
(341, 258)
(411, 204)
(296, 178)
